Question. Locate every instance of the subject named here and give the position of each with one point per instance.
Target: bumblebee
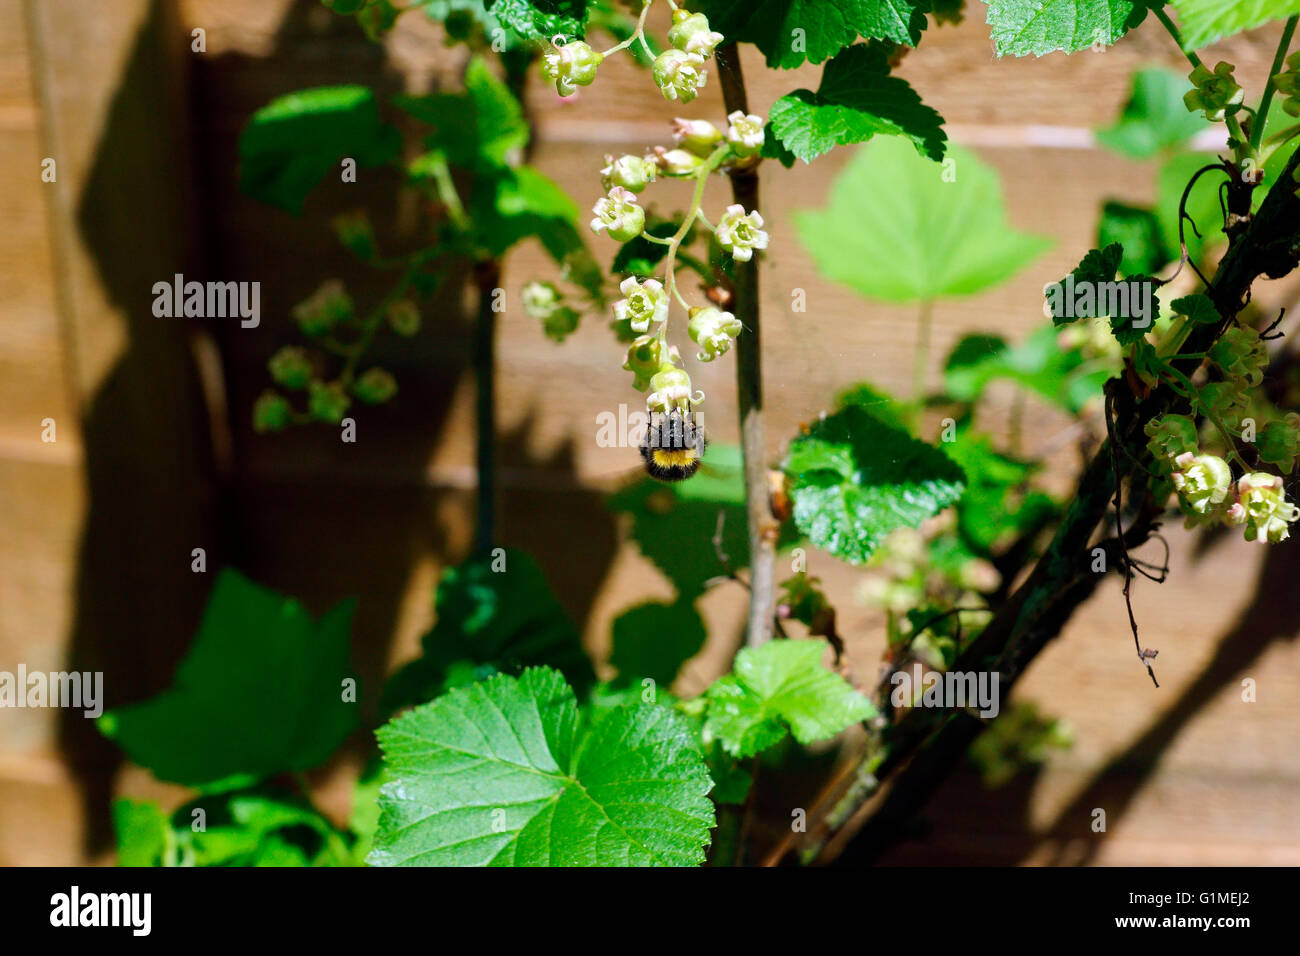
(673, 446)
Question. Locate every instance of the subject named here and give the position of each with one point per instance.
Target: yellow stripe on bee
(673, 457)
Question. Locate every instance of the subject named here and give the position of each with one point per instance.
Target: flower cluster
(678, 72)
(1205, 486)
(1288, 84)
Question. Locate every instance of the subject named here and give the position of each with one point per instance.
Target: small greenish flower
(327, 402)
(1225, 401)
(570, 66)
(1241, 354)
(355, 234)
(375, 386)
(1287, 83)
(1215, 92)
(290, 367)
(619, 215)
(271, 412)
(325, 308)
(646, 303)
(713, 331)
(1262, 507)
(1279, 442)
(670, 388)
(633, 173)
(404, 317)
(745, 133)
(646, 356)
(696, 136)
(1203, 482)
(679, 75)
(1169, 437)
(677, 162)
(543, 301)
(690, 33)
(741, 234)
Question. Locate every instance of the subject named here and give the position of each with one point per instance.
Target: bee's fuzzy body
(673, 447)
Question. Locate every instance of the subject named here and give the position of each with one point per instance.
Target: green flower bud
(1169, 437)
(561, 323)
(290, 367)
(404, 317)
(633, 173)
(713, 331)
(1215, 92)
(1279, 442)
(570, 66)
(325, 308)
(645, 356)
(690, 33)
(375, 386)
(677, 162)
(696, 136)
(1241, 354)
(355, 234)
(327, 402)
(679, 75)
(271, 412)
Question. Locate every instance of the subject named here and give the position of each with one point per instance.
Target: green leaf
(1096, 267)
(792, 31)
(674, 524)
(997, 505)
(857, 98)
(1198, 308)
(259, 693)
(854, 479)
(541, 19)
(481, 128)
(1059, 376)
(879, 403)
(1154, 119)
(895, 230)
(518, 204)
(653, 640)
(1138, 231)
(1022, 27)
(781, 688)
(494, 615)
(291, 143)
(142, 831)
(500, 773)
(258, 828)
(1205, 21)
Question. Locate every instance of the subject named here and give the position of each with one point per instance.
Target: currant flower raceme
(633, 173)
(745, 134)
(740, 233)
(619, 215)
(646, 303)
(679, 75)
(570, 65)
(1262, 507)
(1224, 402)
(696, 136)
(543, 301)
(1214, 92)
(690, 33)
(713, 331)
